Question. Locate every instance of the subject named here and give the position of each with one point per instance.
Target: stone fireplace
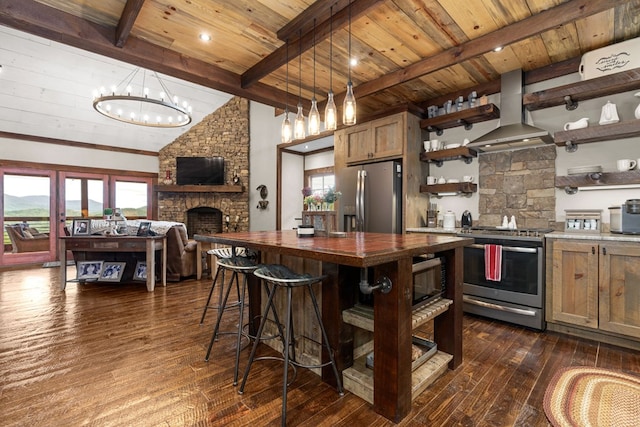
(225, 133)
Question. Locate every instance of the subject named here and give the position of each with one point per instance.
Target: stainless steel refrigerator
(371, 197)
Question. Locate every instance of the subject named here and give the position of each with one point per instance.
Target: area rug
(582, 396)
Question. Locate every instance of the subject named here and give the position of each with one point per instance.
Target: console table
(107, 244)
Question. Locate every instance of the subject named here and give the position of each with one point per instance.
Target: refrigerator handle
(358, 201)
(363, 180)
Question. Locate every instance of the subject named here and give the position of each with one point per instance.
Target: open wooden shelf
(358, 379)
(465, 154)
(457, 187)
(464, 118)
(580, 91)
(598, 179)
(620, 130)
(198, 188)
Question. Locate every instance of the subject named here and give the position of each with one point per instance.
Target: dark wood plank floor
(108, 354)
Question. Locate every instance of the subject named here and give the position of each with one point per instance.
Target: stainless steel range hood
(513, 132)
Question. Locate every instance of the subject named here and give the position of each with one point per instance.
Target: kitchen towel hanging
(493, 262)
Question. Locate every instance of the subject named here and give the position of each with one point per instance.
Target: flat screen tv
(199, 170)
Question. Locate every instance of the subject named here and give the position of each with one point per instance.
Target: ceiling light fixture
(123, 105)
(205, 37)
(299, 131)
(349, 104)
(330, 112)
(497, 49)
(314, 115)
(286, 123)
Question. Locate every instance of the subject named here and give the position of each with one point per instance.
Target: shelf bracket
(438, 131)
(467, 125)
(570, 104)
(571, 147)
(438, 163)
(468, 160)
(595, 176)
(570, 190)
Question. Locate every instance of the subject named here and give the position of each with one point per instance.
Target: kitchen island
(342, 260)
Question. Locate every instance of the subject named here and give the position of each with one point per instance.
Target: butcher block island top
(343, 260)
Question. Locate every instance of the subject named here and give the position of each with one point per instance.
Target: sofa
(27, 239)
(183, 254)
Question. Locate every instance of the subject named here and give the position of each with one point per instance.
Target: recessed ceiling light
(205, 37)
(497, 49)
(354, 62)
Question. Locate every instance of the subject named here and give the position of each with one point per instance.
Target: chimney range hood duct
(512, 133)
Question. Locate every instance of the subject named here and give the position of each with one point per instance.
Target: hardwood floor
(107, 354)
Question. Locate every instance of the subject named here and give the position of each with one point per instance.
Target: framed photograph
(144, 228)
(112, 271)
(88, 270)
(141, 271)
(81, 227)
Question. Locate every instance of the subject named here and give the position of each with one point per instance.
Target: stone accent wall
(225, 133)
(520, 183)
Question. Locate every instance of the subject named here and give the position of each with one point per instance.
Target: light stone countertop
(576, 235)
(434, 230)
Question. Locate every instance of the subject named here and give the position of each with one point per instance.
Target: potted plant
(306, 192)
(330, 197)
(107, 213)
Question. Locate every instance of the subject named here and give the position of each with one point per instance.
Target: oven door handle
(508, 248)
(469, 300)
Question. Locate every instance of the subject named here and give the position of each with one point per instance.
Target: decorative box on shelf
(324, 222)
(583, 220)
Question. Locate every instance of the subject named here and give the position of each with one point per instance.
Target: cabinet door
(357, 143)
(620, 288)
(575, 283)
(388, 136)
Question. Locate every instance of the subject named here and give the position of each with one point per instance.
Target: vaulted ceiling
(408, 51)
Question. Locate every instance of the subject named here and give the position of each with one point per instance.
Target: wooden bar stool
(278, 276)
(237, 265)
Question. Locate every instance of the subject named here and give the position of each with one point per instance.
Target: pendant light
(330, 113)
(314, 115)
(349, 104)
(286, 123)
(299, 131)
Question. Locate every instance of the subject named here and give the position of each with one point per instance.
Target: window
(131, 198)
(320, 180)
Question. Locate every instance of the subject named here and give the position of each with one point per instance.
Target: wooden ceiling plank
(529, 27)
(128, 18)
(320, 10)
(278, 58)
(44, 21)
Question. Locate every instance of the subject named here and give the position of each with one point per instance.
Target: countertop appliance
(466, 221)
(625, 219)
(518, 297)
(371, 197)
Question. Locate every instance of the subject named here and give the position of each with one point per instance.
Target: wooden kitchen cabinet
(375, 140)
(596, 285)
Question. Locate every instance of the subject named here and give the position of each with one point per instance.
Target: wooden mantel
(198, 188)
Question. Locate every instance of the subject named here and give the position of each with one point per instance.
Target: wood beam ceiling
(128, 18)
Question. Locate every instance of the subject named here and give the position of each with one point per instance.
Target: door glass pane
(75, 201)
(131, 199)
(26, 213)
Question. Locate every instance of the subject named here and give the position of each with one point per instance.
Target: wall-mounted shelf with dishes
(621, 130)
(463, 188)
(463, 153)
(592, 176)
(464, 118)
(571, 94)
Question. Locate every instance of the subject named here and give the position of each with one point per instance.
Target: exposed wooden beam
(279, 57)
(35, 18)
(521, 30)
(128, 18)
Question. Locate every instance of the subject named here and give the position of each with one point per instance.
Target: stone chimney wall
(519, 183)
(225, 133)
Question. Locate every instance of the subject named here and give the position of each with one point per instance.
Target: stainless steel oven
(518, 297)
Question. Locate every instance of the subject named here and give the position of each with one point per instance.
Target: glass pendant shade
(349, 107)
(299, 131)
(286, 128)
(314, 118)
(330, 113)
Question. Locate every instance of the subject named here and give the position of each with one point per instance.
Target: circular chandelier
(130, 104)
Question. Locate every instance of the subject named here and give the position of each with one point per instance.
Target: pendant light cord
(300, 66)
(314, 58)
(286, 99)
(331, 50)
(349, 41)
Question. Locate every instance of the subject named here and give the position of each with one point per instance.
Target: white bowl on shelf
(583, 170)
(451, 146)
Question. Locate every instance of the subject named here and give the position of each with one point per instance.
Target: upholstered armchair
(26, 239)
(183, 255)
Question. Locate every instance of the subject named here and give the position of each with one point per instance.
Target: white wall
(264, 137)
